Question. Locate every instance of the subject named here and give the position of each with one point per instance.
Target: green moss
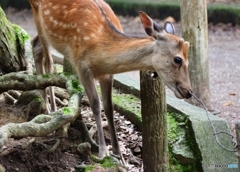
(89, 168)
(172, 128)
(107, 162)
(178, 132)
(76, 85)
(21, 34)
(45, 76)
(66, 74)
(66, 111)
(128, 102)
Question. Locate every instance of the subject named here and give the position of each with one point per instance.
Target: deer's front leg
(89, 84)
(106, 84)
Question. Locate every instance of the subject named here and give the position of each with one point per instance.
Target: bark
(15, 47)
(195, 30)
(154, 129)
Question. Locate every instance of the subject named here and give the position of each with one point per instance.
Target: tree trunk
(154, 129)
(12, 39)
(194, 30)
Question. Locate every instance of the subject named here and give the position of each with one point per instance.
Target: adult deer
(89, 35)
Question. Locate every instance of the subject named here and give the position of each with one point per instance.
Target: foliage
(217, 13)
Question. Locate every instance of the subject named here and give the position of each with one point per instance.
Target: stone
(196, 147)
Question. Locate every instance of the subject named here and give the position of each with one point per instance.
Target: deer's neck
(126, 54)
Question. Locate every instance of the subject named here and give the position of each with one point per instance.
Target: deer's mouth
(182, 92)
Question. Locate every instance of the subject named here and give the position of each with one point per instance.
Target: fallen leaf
(137, 149)
(229, 103)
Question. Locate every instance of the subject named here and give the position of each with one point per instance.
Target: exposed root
(42, 125)
(54, 147)
(93, 129)
(58, 101)
(8, 151)
(28, 143)
(9, 99)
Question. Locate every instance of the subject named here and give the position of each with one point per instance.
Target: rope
(215, 133)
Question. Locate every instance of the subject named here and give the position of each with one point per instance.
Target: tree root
(9, 99)
(93, 129)
(42, 125)
(54, 147)
(29, 142)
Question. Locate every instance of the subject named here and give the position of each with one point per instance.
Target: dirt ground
(224, 68)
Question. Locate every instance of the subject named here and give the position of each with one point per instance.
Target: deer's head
(170, 59)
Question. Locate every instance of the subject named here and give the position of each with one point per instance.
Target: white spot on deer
(85, 23)
(102, 19)
(100, 29)
(60, 37)
(75, 37)
(55, 22)
(47, 12)
(51, 18)
(60, 23)
(87, 11)
(78, 30)
(86, 38)
(65, 12)
(55, 7)
(65, 26)
(92, 35)
(94, 16)
(64, 6)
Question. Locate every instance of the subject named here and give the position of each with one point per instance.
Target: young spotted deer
(89, 35)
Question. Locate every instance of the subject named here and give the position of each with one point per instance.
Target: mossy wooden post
(195, 30)
(237, 127)
(154, 124)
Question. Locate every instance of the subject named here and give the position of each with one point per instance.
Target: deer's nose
(189, 94)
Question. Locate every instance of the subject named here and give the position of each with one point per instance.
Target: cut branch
(24, 82)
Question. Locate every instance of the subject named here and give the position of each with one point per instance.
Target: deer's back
(71, 27)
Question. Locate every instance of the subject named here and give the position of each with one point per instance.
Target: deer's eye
(178, 60)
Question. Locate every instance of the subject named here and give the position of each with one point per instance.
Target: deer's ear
(150, 26)
(169, 28)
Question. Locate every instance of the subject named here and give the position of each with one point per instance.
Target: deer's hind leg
(106, 84)
(44, 64)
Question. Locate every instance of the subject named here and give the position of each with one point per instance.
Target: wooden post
(154, 124)
(237, 127)
(195, 30)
